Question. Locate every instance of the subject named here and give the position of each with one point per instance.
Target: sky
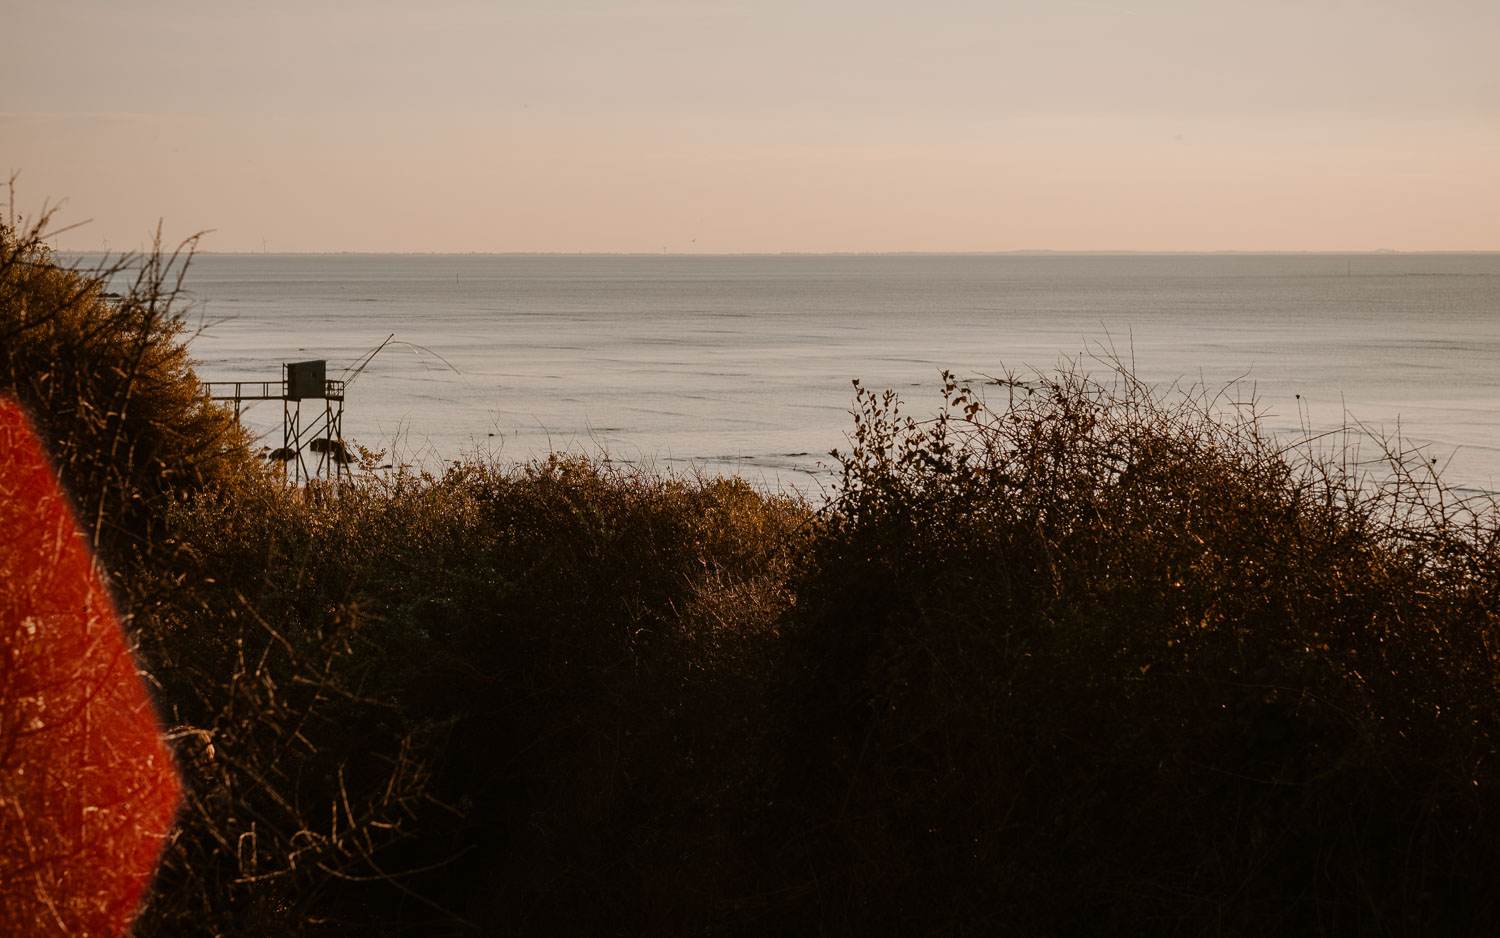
(765, 126)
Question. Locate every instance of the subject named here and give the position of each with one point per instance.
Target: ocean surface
(742, 364)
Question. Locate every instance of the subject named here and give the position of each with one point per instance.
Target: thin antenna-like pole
(353, 370)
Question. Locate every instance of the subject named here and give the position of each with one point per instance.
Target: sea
(743, 365)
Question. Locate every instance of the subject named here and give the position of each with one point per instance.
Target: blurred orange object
(88, 789)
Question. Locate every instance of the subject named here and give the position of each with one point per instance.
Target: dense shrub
(1092, 660)
(568, 638)
(1073, 657)
(109, 384)
(140, 447)
(428, 704)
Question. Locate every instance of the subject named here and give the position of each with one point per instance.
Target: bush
(109, 384)
(143, 451)
(1073, 657)
(1095, 660)
(516, 687)
(431, 704)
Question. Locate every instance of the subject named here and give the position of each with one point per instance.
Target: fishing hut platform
(320, 435)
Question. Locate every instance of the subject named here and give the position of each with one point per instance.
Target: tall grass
(507, 687)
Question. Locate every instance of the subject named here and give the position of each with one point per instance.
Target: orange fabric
(88, 788)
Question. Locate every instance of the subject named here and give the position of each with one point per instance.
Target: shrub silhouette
(109, 384)
(1072, 657)
(1095, 660)
(580, 633)
(141, 449)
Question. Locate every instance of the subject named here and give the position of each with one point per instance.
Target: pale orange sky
(459, 125)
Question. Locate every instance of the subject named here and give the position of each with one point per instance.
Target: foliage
(1091, 659)
(109, 384)
(543, 655)
(1071, 657)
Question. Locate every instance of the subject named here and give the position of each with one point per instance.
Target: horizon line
(1022, 252)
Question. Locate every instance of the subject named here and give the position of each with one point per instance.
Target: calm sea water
(742, 365)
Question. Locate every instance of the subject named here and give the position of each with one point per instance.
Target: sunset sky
(709, 126)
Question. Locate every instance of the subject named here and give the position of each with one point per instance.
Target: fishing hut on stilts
(312, 446)
(312, 449)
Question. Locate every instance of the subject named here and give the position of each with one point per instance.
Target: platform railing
(264, 390)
